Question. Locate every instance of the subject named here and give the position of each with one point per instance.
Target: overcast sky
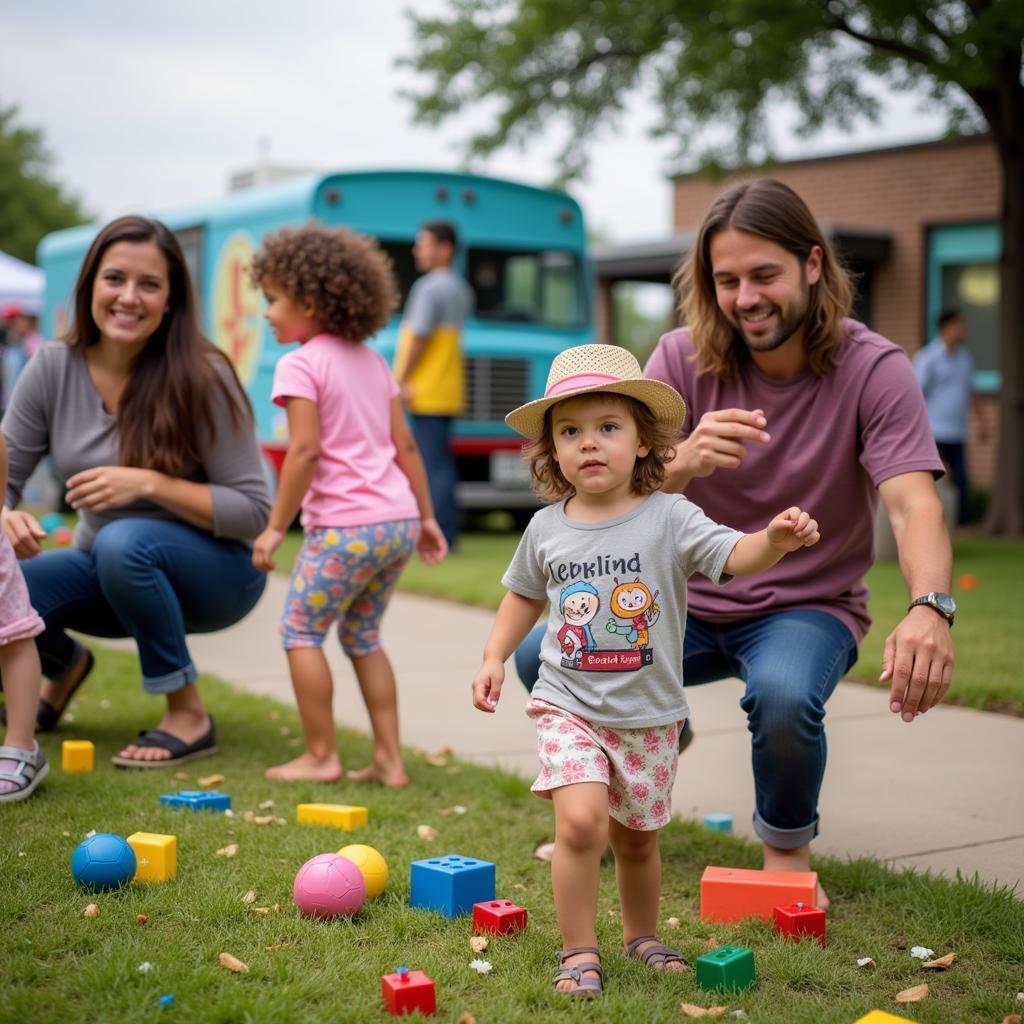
(146, 107)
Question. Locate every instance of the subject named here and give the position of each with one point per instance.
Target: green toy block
(728, 967)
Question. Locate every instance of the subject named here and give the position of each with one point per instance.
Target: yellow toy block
(332, 815)
(78, 755)
(156, 856)
(881, 1017)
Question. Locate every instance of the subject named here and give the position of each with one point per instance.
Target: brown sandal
(586, 987)
(661, 955)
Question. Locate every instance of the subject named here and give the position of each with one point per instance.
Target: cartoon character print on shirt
(578, 605)
(634, 602)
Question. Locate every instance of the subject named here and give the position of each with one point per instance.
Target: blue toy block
(198, 800)
(718, 822)
(450, 885)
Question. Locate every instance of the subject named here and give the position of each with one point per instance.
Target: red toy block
(406, 991)
(498, 917)
(734, 894)
(799, 920)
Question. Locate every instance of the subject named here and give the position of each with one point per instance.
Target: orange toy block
(732, 894)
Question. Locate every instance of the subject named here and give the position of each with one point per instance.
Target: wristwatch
(942, 603)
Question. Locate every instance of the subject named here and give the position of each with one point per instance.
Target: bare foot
(793, 860)
(306, 767)
(187, 726)
(392, 776)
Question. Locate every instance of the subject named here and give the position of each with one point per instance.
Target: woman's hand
(432, 546)
(23, 531)
(106, 487)
(264, 547)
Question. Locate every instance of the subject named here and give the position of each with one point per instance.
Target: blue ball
(103, 861)
(51, 521)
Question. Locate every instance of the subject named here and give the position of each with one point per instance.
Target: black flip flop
(47, 716)
(177, 748)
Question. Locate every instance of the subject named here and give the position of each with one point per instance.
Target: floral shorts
(637, 765)
(346, 575)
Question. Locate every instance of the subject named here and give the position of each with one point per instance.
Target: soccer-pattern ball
(103, 861)
(329, 885)
(371, 864)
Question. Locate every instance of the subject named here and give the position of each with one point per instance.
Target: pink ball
(328, 885)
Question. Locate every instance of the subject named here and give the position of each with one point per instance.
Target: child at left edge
(22, 764)
(610, 556)
(354, 469)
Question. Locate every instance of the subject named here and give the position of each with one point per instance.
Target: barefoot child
(610, 555)
(354, 468)
(22, 764)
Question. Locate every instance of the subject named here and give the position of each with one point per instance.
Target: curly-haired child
(354, 469)
(22, 764)
(611, 556)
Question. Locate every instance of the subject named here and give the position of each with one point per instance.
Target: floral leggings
(346, 574)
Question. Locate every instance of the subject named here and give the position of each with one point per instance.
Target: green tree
(709, 63)
(31, 205)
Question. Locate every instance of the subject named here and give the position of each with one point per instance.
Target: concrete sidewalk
(944, 793)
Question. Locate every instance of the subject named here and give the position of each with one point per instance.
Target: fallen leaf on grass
(436, 760)
(426, 832)
(210, 780)
(455, 769)
(1012, 1018)
(249, 897)
(698, 1011)
(181, 776)
(457, 809)
(467, 1018)
(672, 922)
(545, 851)
(478, 943)
(91, 911)
(295, 741)
(519, 885)
(265, 819)
(713, 943)
(266, 805)
(227, 851)
(67, 835)
(261, 910)
(232, 963)
(446, 752)
(912, 995)
(941, 963)
(278, 948)
(613, 911)
(285, 731)
(865, 961)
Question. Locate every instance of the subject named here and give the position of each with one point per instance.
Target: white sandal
(31, 767)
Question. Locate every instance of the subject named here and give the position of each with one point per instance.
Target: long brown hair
(166, 412)
(773, 211)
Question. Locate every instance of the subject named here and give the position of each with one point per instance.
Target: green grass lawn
(60, 966)
(988, 637)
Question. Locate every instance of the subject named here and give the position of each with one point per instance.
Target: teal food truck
(522, 249)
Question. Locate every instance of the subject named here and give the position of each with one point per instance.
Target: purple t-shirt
(834, 440)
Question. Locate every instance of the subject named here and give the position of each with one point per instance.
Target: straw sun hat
(595, 369)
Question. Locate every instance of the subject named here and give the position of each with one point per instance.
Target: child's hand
(432, 546)
(264, 547)
(24, 532)
(792, 530)
(487, 685)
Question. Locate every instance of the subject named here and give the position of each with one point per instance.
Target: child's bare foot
(391, 775)
(306, 767)
(793, 860)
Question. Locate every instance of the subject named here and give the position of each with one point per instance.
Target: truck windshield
(526, 286)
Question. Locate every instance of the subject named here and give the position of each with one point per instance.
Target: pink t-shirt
(357, 480)
(834, 440)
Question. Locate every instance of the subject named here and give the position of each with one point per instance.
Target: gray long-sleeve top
(56, 410)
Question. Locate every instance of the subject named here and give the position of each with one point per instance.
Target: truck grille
(494, 387)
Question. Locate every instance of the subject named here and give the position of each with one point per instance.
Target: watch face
(945, 604)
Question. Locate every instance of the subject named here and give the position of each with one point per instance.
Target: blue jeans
(433, 435)
(791, 663)
(149, 579)
(953, 455)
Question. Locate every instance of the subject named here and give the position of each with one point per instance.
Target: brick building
(917, 223)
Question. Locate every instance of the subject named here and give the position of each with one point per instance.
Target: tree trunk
(1006, 507)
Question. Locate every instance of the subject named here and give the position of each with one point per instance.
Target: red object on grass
(406, 991)
(800, 920)
(498, 917)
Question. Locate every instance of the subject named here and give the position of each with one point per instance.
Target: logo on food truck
(236, 306)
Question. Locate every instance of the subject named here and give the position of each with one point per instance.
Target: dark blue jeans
(433, 435)
(791, 663)
(149, 579)
(953, 455)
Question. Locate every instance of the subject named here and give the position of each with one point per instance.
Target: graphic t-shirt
(613, 649)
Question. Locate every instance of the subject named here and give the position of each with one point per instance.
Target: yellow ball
(372, 865)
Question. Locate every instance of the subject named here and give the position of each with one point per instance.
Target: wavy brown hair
(165, 416)
(346, 277)
(766, 208)
(548, 481)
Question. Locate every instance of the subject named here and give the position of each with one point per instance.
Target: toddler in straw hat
(610, 556)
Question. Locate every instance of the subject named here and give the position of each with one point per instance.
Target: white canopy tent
(20, 284)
